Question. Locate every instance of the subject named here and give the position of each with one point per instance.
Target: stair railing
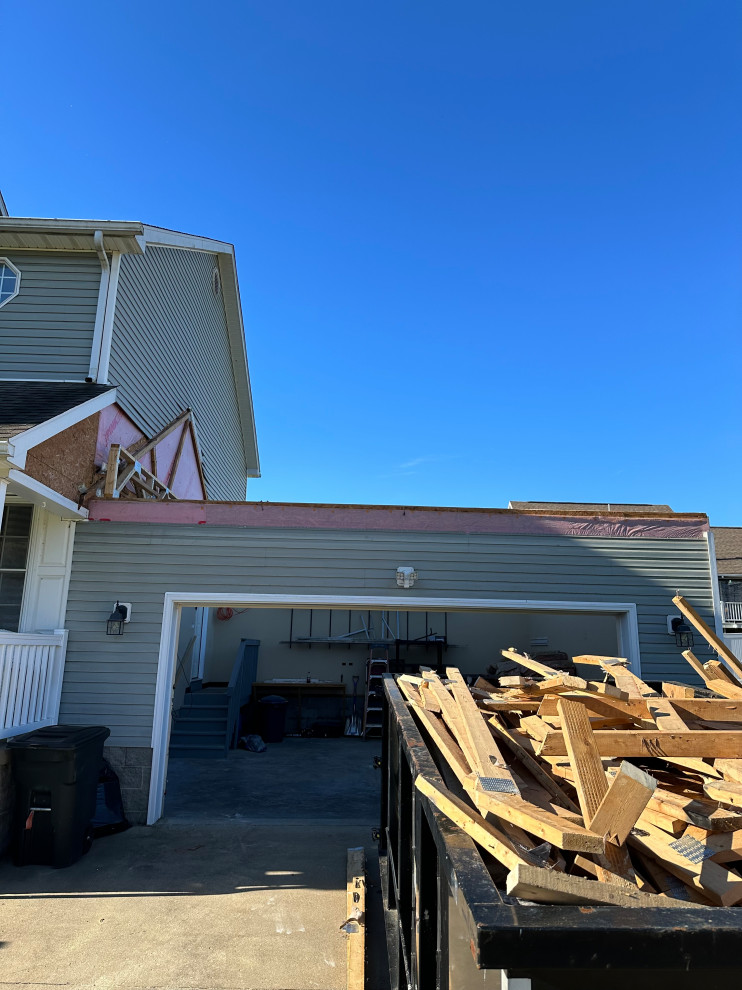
(240, 685)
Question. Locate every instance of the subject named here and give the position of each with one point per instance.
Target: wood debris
(587, 792)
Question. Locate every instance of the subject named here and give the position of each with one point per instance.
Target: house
(121, 346)
(127, 447)
(728, 547)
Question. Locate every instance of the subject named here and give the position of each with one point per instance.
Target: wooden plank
(410, 691)
(725, 847)
(624, 801)
(696, 811)
(732, 769)
(667, 883)
(546, 887)
(532, 765)
(483, 833)
(139, 448)
(725, 791)
(675, 826)
(708, 634)
(672, 690)
(633, 743)
(590, 782)
(709, 709)
(535, 727)
(607, 707)
(428, 699)
(716, 882)
(668, 719)
(445, 742)
(112, 470)
(525, 661)
(560, 832)
(355, 925)
(178, 452)
(452, 717)
(489, 760)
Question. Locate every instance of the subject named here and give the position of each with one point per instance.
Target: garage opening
(276, 712)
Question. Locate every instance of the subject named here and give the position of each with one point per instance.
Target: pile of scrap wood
(594, 790)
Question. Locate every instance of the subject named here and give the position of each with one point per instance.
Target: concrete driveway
(208, 906)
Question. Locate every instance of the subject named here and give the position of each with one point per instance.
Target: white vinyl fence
(31, 669)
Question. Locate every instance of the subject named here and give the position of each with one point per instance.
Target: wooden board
(483, 833)
(624, 801)
(699, 743)
(725, 847)
(355, 926)
(546, 887)
(708, 634)
(724, 791)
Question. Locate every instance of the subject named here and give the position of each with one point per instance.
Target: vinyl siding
(47, 330)
(112, 681)
(170, 351)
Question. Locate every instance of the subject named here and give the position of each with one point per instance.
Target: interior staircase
(200, 725)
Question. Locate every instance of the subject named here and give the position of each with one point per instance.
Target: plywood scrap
(545, 887)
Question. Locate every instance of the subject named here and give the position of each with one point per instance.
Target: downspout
(105, 273)
(105, 344)
(715, 594)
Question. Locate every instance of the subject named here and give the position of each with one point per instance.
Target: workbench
(299, 695)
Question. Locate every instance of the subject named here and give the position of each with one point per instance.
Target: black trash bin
(273, 718)
(56, 779)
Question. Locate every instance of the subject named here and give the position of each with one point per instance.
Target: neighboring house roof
(33, 233)
(663, 510)
(24, 405)
(728, 544)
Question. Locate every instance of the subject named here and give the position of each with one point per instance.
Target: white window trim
(625, 612)
(13, 268)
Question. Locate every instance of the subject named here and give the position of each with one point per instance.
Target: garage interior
(311, 657)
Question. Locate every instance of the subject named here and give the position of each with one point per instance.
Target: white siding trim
(174, 601)
(33, 491)
(715, 594)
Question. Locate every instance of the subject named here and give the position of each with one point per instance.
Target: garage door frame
(625, 612)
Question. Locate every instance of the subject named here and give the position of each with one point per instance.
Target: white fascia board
(162, 237)
(33, 491)
(42, 234)
(19, 445)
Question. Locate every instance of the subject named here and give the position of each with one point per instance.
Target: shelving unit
(373, 709)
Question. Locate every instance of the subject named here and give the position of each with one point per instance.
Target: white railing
(31, 669)
(731, 611)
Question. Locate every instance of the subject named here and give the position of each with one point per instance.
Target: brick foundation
(133, 765)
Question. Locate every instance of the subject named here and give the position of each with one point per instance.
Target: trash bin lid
(60, 737)
(273, 699)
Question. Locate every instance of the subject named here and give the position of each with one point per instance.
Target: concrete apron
(207, 906)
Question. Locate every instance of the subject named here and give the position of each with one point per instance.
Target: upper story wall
(47, 330)
(170, 351)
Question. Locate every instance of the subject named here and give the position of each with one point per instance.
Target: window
(10, 281)
(14, 539)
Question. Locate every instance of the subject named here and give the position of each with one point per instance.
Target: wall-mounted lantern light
(120, 615)
(406, 577)
(679, 628)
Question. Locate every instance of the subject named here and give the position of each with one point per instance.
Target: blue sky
(487, 250)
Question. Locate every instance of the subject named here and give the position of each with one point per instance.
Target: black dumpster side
(448, 925)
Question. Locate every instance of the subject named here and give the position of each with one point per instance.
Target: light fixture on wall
(121, 614)
(406, 577)
(679, 628)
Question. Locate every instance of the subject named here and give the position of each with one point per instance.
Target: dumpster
(450, 928)
(273, 718)
(55, 770)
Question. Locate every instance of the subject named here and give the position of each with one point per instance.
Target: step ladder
(373, 709)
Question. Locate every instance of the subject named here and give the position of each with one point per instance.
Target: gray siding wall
(112, 680)
(170, 351)
(47, 330)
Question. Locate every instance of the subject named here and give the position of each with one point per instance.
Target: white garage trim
(625, 612)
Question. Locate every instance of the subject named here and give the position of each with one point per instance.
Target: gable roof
(24, 405)
(39, 234)
(728, 544)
